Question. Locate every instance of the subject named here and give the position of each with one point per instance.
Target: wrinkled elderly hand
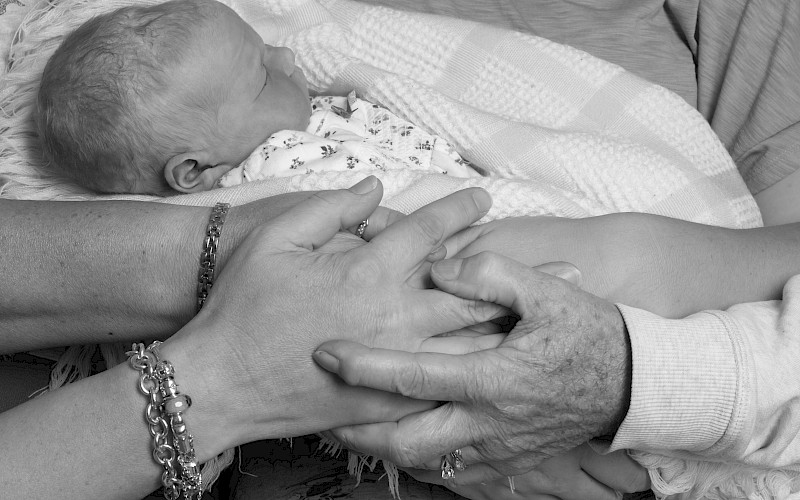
(560, 378)
(579, 474)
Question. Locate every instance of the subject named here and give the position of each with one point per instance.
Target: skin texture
(559, 378)
(670, 267)
(245, 359)
(132, 264)
(578, 474)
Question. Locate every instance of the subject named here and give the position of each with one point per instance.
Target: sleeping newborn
(134, 102)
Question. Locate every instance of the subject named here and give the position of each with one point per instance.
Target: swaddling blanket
(555, 130)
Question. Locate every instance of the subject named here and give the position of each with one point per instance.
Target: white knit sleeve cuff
(685, 382)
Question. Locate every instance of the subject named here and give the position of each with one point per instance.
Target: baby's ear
(189, 173)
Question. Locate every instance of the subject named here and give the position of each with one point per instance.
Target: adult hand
(244, 218)
(279, 297)
(578, 474)
(561, 377)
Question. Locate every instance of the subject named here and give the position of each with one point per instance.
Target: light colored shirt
(717, 386)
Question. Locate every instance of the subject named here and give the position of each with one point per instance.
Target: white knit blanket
(556, 131)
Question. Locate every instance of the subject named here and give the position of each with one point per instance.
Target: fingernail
(447, 269)
(327, 361)
(365, 186)
(483, 200)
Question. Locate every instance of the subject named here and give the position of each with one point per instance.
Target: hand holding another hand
(560, 378)
(246, 356)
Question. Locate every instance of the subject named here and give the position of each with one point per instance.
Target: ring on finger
(457, 460)
(448, 472)
(362, 227)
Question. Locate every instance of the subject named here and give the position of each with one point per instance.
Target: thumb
(312, 223)
(486, 276)
(494, 278)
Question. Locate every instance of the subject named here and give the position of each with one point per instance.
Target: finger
(471, 476)
(617, 470)
(563, 476)
(494, 278)
(485, 328)
(411, 239)
(456, 344)
(463, 239)
(378, 220)
(431, 376)
(436, 311)
(311, 223)
(585, 486)
(408, 442)
(498, 489)
(470, 458)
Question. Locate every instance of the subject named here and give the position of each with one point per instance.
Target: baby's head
(163, 98)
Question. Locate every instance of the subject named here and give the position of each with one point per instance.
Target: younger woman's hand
(247, 355)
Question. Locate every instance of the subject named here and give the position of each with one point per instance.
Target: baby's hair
(100, 117)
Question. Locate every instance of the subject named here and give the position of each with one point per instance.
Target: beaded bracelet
(208, 258)
(164, 415)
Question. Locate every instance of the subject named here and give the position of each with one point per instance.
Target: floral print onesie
(347, 133)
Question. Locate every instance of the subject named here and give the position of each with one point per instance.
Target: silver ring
(458, 460)
(362, 227)
(448, 472)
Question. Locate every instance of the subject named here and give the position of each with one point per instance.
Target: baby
(181, 96)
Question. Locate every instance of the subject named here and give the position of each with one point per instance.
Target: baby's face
(256, 89)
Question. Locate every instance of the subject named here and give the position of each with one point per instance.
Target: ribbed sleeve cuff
(684, 385)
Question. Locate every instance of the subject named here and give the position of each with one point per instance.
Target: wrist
(623, 374)
(214, 427)
(620, 379)
(242, 219)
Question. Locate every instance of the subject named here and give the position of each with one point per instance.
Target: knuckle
(488, 262)
(478, 312)
(430, 228)
(350, 373)
(410, 380)
(343, 438)
(367, 272)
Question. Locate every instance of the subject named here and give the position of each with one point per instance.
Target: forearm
(89, 439)
(90, 429)
(675, 268)
(77, 272)
(84, 272)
